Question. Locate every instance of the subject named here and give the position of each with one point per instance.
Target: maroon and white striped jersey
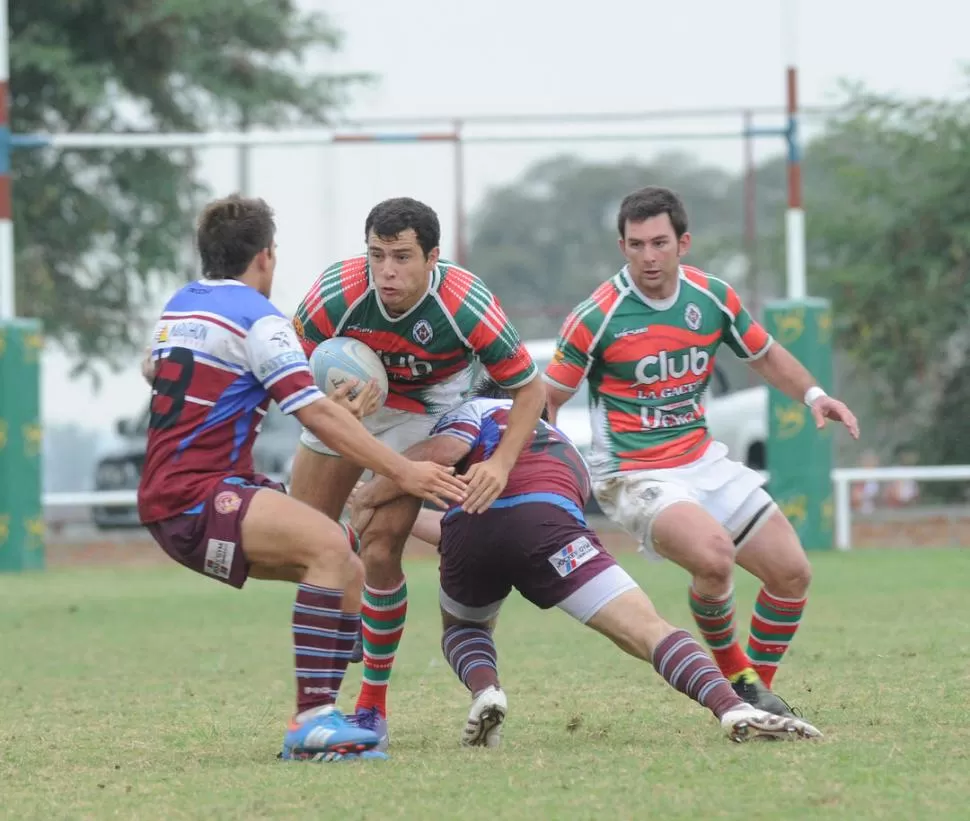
(223, 352)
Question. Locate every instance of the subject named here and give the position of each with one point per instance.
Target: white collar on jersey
(205, 281)
(656, 304)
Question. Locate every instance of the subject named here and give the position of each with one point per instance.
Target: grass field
(152, 693)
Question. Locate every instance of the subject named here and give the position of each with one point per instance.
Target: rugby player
(535, 538)
(220, 353)
(428, 320)
(646, 341)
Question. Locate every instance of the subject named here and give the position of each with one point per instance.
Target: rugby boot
(325, 734)
(370, 718)
(746, 722)
(751, 689)
(483, 727)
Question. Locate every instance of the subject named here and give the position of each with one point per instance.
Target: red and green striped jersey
(429, 350)
(648, 363)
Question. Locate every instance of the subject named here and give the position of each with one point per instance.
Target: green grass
(155, 693)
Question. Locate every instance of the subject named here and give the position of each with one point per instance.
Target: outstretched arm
(442, 449)
(780, 369)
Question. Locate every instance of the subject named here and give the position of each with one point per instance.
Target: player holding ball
(427, 320)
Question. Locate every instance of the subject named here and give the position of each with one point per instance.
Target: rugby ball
(339, 359)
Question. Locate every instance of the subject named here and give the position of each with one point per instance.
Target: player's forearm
(378, 491)
(780, 369)
(555, 399)
(340, 430)
(527, 404)
(444, 450)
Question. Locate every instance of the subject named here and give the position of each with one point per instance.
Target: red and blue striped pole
(795, 215)
(8, 308)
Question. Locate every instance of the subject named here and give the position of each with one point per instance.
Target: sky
(447, 58)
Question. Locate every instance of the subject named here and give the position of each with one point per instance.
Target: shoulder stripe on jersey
(331, 284)
(195, 400)
(614, 285)
(751, 355)
(623, 291)
(479, 300)
(206, 316)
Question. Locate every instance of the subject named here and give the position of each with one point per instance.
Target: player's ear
(683, 244)
(433, 255)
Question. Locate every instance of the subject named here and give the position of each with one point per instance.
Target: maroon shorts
(208, 537)
(538, 548)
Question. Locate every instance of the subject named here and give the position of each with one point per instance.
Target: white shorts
(730, 491)
(395, 428)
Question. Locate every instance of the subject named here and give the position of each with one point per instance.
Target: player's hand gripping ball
(341, 361)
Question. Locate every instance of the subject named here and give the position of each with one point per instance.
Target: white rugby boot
(746, 722)
(484, 725)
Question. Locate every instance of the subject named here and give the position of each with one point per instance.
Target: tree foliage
(97, 231)
(888, 227)
(888, 224)
(545, 241)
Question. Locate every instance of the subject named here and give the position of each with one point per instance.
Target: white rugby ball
(339, 359)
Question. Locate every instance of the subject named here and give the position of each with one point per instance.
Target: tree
(888, 241)
(544, 242)
(98, 231)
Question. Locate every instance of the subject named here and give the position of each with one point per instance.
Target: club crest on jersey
(422, 332)
(298, 327)
(693, 316)
(576, 553)
(227, 502)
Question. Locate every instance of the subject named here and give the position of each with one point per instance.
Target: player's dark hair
(488, 388)
(652, 201)
(231, 232)
(393, 217)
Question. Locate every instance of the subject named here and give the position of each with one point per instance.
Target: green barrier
(21, 514)
(799, 457)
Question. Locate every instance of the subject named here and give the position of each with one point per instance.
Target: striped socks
(382, 617)
(716, 622)
(688, 669)
(472, 655)
(773, 625)
(323, 636)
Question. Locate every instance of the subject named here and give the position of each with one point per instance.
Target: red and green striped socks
(716, 622)
(773, 625)
(382, 616)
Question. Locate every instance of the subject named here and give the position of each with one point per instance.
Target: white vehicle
(739, 419)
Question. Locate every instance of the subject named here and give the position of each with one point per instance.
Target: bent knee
(334, 551)
(715, 558)
(790, 581)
